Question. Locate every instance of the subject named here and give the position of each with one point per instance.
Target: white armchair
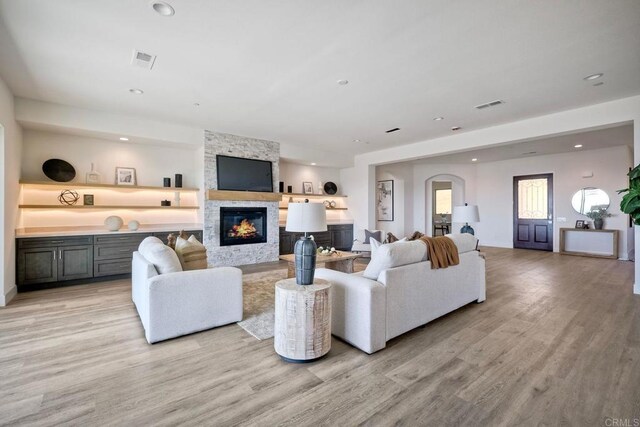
(358, 243)
(175, 304)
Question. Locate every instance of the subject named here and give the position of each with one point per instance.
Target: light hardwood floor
(556, 342)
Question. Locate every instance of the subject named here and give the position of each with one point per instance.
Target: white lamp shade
(306, 217)
(467, 213)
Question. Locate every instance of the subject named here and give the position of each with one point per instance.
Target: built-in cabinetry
(339, 236)
(44, 262)
(588, 242)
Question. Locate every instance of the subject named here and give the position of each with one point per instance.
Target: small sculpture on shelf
(68, 197)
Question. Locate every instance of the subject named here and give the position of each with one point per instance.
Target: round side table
(302, 330)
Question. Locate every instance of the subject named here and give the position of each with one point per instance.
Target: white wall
(295, 174)
(152, 164)
(10, 149)
(495, 191)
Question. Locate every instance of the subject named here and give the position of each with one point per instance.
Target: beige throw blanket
(442, 252)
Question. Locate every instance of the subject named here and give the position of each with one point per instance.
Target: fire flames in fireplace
(244, 230)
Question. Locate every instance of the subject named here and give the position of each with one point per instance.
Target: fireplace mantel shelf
(243, 195)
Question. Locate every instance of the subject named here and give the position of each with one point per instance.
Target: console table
(587, 242)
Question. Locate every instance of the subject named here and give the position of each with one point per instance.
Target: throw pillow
(160, 255)
(369, 234)
(394, 255)
(391, 238)
(375, 244)
(191, 253)
(464, 241)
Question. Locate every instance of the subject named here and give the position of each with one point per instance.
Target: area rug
(258, 298)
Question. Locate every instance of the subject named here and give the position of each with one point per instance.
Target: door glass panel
(443, 202)
(532, 199)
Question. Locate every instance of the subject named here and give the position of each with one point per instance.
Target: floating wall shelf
(103, 207)
(71, 185)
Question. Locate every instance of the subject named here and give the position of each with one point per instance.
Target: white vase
(93, 177)
(113, 223)
(133, 225)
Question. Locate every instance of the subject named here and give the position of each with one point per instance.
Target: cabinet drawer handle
(125, 250)
(56, 242)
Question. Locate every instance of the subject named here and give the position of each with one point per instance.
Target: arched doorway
(442, 192)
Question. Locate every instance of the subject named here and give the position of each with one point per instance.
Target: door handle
(60, 254)
(54, 254)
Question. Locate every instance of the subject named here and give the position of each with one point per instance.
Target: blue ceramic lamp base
(467, 229)
(305, 260)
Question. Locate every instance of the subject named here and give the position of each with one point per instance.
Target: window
(532, 199)
(443, 202)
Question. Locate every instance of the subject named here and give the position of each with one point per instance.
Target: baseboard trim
(6, 298)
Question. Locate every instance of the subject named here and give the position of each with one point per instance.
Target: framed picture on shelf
(580, 223)
(87, 199)
(125, 176)
(307, 188)
(384, 200)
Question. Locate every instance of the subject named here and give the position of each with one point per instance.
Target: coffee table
(342, 261)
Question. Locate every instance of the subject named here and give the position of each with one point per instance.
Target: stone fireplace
(220, 250)
(243, 226)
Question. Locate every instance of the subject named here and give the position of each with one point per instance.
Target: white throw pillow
(160, 255)
(191, 253)
(375, 244)
(394, 255)
(465, 242)
(148, 240)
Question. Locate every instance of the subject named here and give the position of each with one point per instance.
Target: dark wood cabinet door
(37, 265)
(75, 262)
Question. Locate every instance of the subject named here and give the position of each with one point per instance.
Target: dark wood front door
(533, 212)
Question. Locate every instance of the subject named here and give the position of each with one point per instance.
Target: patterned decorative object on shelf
(327, 204)
(68, 197)
(113, 223)
(133, 225)
(58, 170)
(332, 204)
(330, 188)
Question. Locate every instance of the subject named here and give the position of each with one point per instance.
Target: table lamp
(306, 218)
(466, 214)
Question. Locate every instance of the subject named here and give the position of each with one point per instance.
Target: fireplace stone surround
(251, 148)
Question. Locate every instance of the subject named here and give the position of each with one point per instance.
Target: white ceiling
(590, 140)
(269, 69)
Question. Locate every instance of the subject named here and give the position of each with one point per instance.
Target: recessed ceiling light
(124, 138)
(356, 140)
(593, 76)
(578, 146)
(164, 9)
(136, 91)
(455, 128)
(313, 164)
(437, 119)
(343, 82)
(474, 160)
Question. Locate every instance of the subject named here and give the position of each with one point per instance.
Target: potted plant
(598, 216)
(630, 203)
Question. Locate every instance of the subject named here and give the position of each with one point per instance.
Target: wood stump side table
(302, 330)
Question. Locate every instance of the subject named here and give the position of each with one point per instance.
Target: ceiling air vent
(392, 130)
(489, 104)
(143, 60)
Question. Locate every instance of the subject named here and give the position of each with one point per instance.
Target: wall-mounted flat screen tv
(235, 173)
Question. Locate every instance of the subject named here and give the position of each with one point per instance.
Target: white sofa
(179, 303)
(367, 313)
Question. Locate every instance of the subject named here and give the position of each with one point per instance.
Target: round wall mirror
(589, 198)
